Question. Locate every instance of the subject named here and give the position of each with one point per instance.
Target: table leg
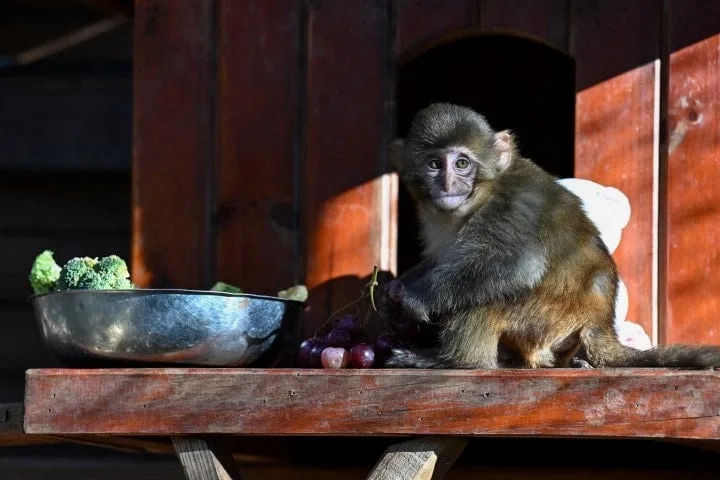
(427, 458)
(201, 461)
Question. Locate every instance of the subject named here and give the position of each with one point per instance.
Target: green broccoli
(225, 287)
(44, 273)
(113, 273)
(85, 273)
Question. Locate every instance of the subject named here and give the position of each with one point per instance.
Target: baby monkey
(514, 273)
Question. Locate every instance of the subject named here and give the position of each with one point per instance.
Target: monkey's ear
(396, 153)
(505, 146)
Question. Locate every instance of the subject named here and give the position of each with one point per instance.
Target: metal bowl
(161, 326)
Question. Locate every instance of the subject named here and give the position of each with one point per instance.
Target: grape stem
(371, 285)
(368, 289)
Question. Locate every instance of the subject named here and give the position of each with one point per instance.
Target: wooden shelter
(260, 134)
(261, 129)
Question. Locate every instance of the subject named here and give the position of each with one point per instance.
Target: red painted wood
(543, 20)
(172, 142)
(615, 126)
(348, 113)
(693, 221)
(258, 95)
(614, 147)
(605, 403)
(423, 23)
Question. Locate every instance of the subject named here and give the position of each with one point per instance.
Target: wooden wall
(259, 133)
(66, 136)
(269, 125)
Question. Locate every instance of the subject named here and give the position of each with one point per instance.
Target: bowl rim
(181, 291)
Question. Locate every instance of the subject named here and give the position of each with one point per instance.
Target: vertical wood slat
(421, 23)
(345, 199)
(546, 20)
(616, 131)
(258, 109)
(173, 142)
(611, 37)
(693, 170)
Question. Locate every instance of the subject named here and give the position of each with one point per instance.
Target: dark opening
(515, 82)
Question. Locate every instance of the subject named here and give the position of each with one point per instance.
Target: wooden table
(441, 407)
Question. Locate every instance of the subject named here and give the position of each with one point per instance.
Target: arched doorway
(517, 83)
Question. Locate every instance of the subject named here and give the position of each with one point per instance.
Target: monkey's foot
(579, 363)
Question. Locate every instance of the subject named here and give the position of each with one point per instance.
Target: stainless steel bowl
(157, 326)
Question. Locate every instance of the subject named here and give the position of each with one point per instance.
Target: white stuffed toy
(609, 209)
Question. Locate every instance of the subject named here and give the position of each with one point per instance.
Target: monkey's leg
(468, 341)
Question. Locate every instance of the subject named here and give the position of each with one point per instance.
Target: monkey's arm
(479, 273)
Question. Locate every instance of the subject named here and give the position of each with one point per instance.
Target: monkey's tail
(604, 349)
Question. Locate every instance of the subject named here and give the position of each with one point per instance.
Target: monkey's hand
(397, 299)
(388, 298)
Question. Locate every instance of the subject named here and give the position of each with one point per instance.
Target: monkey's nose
(448, 182)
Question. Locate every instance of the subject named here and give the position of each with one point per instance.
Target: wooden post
(427, 458)
(202, 462)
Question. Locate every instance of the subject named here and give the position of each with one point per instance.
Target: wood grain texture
(597, 403)
(347, 137)
(259, 85)
(173, 84)
(200, 462)
(423, 23)
(543, 20)
(615, 128)
(427, 458)
(693, 200)
(614, 146)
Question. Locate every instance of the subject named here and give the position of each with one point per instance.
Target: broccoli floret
(77, 273)
(44, 273)
(225, 287)
(85, 273)
(113, 273)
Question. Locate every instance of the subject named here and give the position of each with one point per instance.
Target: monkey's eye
(434, 164)
(462, 163)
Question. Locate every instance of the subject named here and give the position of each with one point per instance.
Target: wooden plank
(258, 144)
(427, 458)
(174, 52)
(201, 462)
(615, 146)
(632, 403)
(616, 130)
(693, 255)
(630, 30)
(22, 250)
(346, 203)
(422, 24)
(543, 20)
(63, 203)
(85, 122)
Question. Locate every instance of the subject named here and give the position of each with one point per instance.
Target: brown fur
(515, 276)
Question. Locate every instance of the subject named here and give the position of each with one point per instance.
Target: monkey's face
(448, 176)
(451, 157)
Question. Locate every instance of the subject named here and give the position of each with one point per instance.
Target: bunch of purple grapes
(346, 345)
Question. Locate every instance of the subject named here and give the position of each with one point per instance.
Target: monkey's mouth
(449, 201)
